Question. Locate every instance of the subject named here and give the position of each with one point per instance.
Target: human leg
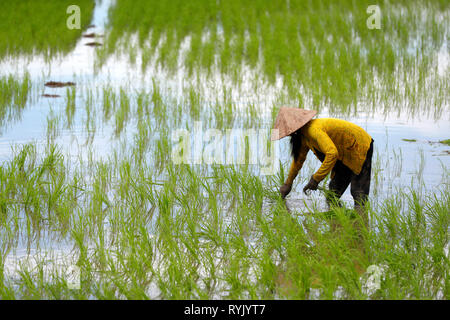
(360, 187)
(340, 179)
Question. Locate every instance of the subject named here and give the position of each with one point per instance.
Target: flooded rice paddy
(93, 204)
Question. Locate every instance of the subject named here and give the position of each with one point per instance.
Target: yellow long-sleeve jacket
(337, 140)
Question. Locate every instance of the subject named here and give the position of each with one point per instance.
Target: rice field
(148, 172)
(322, 51)
(40, 27)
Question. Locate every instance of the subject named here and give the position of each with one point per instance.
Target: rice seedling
(14, 96)
(122, 112)
(53, 129)
(226, 253)
(109, 102)
(70, 106)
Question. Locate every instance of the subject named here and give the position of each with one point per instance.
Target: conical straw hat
(290, 120)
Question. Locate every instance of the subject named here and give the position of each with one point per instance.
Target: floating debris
(93, 44)
(440, 142)
(92, 35)
(409, 140)
(46, 95)
(444, 153)
(58, 84)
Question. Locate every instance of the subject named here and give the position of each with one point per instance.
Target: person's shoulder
(317, 123)
(333, 122)
(312, 127)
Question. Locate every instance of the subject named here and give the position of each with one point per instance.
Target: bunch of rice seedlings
(13, 98)
(42, 28)
(324, 47)
(203, 232)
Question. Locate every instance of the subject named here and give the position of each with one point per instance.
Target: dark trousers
(342, 176)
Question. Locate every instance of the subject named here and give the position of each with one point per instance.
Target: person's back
(350, 140)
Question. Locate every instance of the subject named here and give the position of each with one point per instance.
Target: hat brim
(290, 120)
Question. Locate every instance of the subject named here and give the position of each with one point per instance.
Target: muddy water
(397, 164)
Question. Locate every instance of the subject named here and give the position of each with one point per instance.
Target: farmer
(344, 149)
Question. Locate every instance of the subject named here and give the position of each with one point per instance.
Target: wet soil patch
(46, 95)
(58, 84)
